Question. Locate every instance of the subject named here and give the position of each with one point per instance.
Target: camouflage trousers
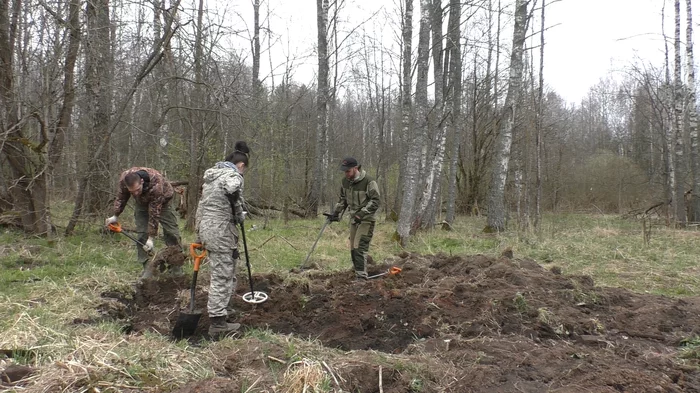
(223, 281)
(168, 222)
(360, 238)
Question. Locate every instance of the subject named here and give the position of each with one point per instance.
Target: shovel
(392, 271)
(117, 227)
(187, 322)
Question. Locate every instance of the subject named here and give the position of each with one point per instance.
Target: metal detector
(253, 296)
(313, 247)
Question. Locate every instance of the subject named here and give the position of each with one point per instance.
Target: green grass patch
(45, 284)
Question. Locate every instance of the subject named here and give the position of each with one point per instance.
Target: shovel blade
(186, 325)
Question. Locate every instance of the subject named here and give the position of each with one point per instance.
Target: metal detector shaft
(247, 259)
(328, 220)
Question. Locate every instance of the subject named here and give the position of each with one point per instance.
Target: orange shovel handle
(115, 227)
(197, 256)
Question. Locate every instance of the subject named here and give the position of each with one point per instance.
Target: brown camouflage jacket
(156, 193)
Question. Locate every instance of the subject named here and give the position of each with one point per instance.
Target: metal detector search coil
(255, 297)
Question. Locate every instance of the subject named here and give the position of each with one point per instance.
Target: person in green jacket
(359, 195)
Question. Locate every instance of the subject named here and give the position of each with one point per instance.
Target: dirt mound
(167, 258)
(476, 323)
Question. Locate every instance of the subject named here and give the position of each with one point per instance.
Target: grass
(46, 284)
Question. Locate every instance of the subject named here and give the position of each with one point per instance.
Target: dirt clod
(14, 373)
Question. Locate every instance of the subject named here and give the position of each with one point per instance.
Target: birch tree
(420, 119)
(322, 117)
(433, 165)
(255, 46)
(406, 106)
(453, 48)
(538, 125)
(499, 171)
(679, 195)
(691, 105)
(668, 122)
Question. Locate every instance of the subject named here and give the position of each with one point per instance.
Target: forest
(92, 88)
(524, 243)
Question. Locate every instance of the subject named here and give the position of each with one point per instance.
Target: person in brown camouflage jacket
(152, 195)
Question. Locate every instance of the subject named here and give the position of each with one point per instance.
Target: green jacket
(360, 197)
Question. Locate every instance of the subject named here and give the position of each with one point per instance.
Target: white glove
(110, 220)
(148, 247)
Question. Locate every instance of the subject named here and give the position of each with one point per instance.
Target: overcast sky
(586, 39)
(590, 38)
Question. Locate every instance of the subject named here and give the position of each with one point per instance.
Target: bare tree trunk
(16, 152)
(425, 218)
(496, 207)
(406, 110)
(679, 196)
(197, 126)
(314, 196)
(538, 125)
(256, 46)
(98, 83)
(31, 161)
(416, 141)
(668, 122)
(691, 107)
(496, 72)
(453, 40)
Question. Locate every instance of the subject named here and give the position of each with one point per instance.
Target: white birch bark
(679, 195)
(255, 46)
(415, 146)
(667, 96)
(538, 135)
(691, 107)
(433, 168)
(453, 36)
(406, 110)
(321, 109)
(499, 171)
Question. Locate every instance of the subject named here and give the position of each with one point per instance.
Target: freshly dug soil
(460, 323)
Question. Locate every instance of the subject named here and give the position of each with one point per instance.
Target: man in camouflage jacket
(152, 195)
(359, 195)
